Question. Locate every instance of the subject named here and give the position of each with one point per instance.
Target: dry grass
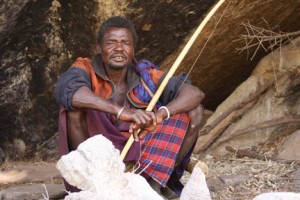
(262, 176)
(258, 177)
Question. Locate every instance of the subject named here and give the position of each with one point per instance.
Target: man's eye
(127, 43)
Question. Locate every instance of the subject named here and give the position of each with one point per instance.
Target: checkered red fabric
(160, 149)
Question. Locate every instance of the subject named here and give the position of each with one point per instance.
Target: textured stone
(196, 187)
(220, 68)
(96, 168)
(267, 117)
(290, 149)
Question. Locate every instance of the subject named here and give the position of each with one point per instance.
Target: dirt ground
(244, 178)
(229, 178)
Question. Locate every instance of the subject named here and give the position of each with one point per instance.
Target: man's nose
(119, 46)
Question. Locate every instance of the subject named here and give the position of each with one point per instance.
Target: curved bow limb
(172, 71)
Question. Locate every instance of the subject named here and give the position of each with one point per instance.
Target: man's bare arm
(84, 98)
(188, 98)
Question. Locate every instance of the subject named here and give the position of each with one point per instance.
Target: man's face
(117, 48)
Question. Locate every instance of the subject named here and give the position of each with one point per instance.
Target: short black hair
(118, 22)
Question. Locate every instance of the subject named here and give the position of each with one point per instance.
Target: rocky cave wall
(221, 67)
(40, 39)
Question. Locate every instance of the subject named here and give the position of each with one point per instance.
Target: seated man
(108, 95)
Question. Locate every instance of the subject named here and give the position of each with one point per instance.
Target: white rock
(196, 187)
(96, 168)
(278, 196)
(138, 188)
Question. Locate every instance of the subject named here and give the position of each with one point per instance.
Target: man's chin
(117, 67)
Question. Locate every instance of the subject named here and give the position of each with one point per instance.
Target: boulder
(262, 110)
(290, 149)
(96, 168)
(196, 187)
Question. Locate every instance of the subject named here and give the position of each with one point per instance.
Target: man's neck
(117, 76)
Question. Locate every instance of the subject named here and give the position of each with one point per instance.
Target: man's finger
(143, 133)
(136, 135)
(152, 115)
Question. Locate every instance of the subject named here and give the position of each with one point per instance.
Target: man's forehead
(118, 32)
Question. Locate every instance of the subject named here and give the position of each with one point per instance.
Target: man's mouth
(119, 58)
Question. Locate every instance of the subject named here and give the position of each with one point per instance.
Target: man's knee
(196, 117)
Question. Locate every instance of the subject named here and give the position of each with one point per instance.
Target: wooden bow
(172, 71)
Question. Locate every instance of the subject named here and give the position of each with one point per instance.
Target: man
(108, 95)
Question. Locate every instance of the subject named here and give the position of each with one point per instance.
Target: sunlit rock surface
(196, 187)
(96, 168)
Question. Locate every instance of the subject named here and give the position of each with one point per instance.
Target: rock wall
(219, 67)
(264, 110)
(38, 43)
(40, 39)
(32, 53)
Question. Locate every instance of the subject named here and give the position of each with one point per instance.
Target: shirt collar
(133, 77)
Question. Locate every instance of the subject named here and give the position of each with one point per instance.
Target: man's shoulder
(147, 70)
(146, 64)
(83, 63)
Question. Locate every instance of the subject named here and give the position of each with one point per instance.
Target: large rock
(264, 109)
(290, 149)
(196, 187)
(96, 168)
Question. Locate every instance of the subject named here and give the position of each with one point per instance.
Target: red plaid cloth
(162, 147)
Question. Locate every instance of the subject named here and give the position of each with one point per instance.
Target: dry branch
(261, 38)
(215, 133)
(240, 153)
(266, 124)
(206, 129)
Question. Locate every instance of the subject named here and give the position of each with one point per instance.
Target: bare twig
(46, 197)
(261, 38)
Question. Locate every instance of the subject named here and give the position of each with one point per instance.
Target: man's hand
(140, 118)
(141, 132)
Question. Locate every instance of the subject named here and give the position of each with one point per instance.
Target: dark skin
(117, 51)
